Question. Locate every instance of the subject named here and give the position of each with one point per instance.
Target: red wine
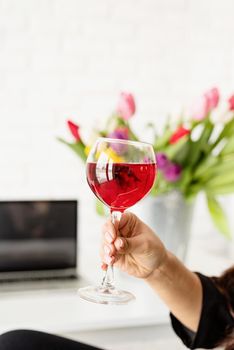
(120, 185)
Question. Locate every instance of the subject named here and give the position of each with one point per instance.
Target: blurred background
(70, 59)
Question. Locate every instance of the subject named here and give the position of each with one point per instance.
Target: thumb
(129, 245)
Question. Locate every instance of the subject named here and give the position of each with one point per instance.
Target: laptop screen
(38, 235)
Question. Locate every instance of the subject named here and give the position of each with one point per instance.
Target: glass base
(102, 295)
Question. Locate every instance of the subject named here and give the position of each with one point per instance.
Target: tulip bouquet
(194, 154)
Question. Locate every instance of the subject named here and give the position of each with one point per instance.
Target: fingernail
(107, 250)
(108, 259)
(104, 267)
(119, 243)
(108, 237)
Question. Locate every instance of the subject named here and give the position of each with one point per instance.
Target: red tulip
(231, 103)
(178, 134)
(74, 130)
(126, 106)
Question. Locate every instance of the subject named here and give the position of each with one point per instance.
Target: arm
(180, 289)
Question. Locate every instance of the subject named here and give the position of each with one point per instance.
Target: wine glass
(120, 173)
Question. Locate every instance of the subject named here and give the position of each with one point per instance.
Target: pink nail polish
(108, 237)
(120, 243)
(107, 250)
(108, 259)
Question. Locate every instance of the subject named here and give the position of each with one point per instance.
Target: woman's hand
(132, 246)
(135, 249)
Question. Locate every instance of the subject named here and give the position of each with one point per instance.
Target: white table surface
(63, 311)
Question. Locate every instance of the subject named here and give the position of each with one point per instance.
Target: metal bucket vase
(170, 216)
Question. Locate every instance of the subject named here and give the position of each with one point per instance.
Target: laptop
(38, 244)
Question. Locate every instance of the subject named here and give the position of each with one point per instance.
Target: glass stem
(108, 279)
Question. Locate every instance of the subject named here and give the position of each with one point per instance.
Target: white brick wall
(70, 58)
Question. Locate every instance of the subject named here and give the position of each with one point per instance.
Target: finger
(108, 260)
(128, 224)
(129, 245)
(104, 265)
(120, 244)
(107, 250)
(107, 254)
(109, 232)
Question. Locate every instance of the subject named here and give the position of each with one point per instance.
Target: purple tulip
(172, 172)
(162, 161)
(120, 134)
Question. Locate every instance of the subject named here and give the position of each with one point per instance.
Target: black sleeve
(215, 321)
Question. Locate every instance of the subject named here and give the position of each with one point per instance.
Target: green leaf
(227, 132)
(204, 166)
(78, 147)
(178, 151)
(162, 141)
(151, 126)
(200, 146)
(223, 166)
(100, 208)
(193, 190)
(185, 180)
(218, 216)
(221, 179)
(132, 135)
(228, 148)
(220, 190)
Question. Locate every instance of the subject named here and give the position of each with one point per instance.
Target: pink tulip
(205, 104)
(200, 108)
(213, 98)
(126, 106)
(231, 103)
